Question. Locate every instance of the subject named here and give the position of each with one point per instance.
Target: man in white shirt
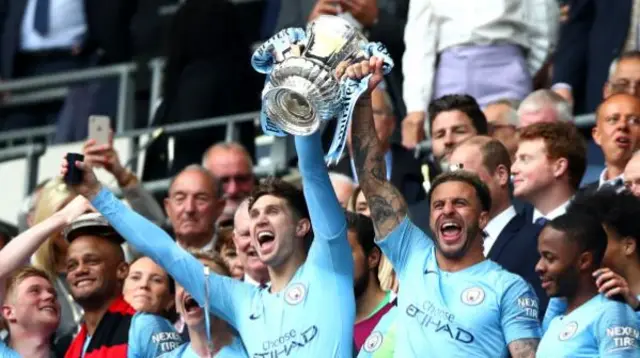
(489, 49)
(617, 132)
(549, 165)
(193, 206)
(510, 239)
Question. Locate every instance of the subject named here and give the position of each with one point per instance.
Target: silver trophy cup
(303, 90)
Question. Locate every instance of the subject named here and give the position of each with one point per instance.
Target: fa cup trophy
(302, 89)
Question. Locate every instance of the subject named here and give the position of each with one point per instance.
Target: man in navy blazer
(510, 238)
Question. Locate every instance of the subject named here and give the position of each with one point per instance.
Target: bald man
(617, 133)
(255, 271)
(632, 174)
(232, 165)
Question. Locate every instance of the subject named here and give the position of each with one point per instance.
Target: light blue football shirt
(382, 340)
(150, 336)
(599, 328)
(312, 317)
(6, 352)
(475, 312)
(234, 350)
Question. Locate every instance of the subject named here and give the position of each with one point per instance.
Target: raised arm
(16, 253)
(388, 207)
(327, 216)
(154, 242)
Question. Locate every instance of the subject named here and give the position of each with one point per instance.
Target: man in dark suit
(403, 170)
(595, 33)
(510, 239)
(41, 37)
(617, 132)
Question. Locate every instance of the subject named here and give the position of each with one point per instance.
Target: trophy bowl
(303, 90)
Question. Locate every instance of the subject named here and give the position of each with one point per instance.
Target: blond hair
(53, 197)
(21, 274)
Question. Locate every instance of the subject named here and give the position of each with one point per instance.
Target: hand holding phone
(99, 129)
(73, 175)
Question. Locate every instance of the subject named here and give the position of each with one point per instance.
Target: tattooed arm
(388, 207)
(524, 348)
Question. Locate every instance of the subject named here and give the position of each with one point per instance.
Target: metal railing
(279, 153)
(66, 78)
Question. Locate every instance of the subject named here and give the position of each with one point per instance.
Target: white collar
(602, 180)
(495, 227)
(560, 210)
(209, 247)
(250, 280)
(498, 223)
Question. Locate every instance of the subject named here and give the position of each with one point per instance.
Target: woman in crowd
(226, 248)
(148, 288)
(30, 307)
(226, 343)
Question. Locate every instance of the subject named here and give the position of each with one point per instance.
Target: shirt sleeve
(543, 18)
(617, 332)
(419, 59)
(152, 241)
(6, 352)
(556, 307)
(404, 240)
(519, 312)
(151, 336)
(327, 216)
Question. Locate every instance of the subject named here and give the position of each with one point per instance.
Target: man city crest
(473, 296)
(568, 331)
(295, 294)
(373, 342)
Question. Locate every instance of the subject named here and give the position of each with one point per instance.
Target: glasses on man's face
(625, 86)
(240, 178)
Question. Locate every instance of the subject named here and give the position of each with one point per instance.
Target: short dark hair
(284, 190)
(585, 230)
(459, 102)
(561, 140)
(482, 191)
(619, 212)
(363, 227)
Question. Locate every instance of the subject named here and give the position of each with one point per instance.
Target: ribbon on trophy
(351, 92)
(288, 43)
(274, 51)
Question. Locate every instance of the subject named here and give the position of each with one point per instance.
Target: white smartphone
(99, 129)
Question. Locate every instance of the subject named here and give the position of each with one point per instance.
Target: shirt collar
(498, 223)
(209, 247)
(560, 210)
(602, 180)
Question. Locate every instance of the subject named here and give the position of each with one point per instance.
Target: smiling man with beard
(572, 247)
(452, 301)
(308, 309)
(96, 270)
